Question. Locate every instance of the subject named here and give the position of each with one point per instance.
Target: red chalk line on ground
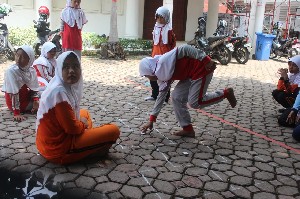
(283, 145)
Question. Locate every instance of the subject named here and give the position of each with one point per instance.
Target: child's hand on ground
(291, 117)
(19, 118)
(149, 126)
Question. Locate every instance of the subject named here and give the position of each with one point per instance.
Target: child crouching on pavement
(194, 70)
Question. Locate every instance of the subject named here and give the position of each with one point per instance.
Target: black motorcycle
(283, 47)
(241, 47)
(7, 51)
(44, 34)
(215, 46)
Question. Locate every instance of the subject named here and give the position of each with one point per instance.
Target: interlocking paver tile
(237, 153)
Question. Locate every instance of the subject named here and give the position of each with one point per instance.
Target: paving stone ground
(238, 152)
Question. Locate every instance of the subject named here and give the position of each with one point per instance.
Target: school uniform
(287, 90)
(186, 64)
(61, 136)
(21, 85)
(163, 41)
(45, 67)
(72, 21)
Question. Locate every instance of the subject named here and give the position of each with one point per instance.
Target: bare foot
(231, 97)
(184, 133)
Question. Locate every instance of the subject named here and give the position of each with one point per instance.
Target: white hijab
(43, 58)
(57, 91)
(295, 77)
(15, 77)
(161, 66)
(162, 29)
(71, 15)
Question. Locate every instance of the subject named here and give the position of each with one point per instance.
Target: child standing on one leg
(194, 70)
(72, 21)
(163, 41)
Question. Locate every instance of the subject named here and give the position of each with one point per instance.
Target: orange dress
(162, 48)
(63, 139)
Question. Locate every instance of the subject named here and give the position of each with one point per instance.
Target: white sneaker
(149, 99)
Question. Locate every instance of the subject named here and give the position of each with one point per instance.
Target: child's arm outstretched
(156, 109)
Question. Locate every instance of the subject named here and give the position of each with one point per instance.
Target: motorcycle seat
(212, 39)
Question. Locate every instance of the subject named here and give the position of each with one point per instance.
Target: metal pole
(272, 23)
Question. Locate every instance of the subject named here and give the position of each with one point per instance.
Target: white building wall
(97, 13)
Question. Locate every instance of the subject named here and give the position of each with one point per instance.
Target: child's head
(294, 64)
(71, 69)
(75, 3)
(24, 56)
(49, 50)
(22, 59)
(162, 15)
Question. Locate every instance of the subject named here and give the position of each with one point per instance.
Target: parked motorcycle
(215, 46)
(241, 49)
(7, 51)
(238, 46)
(283, 47)
(44, 34)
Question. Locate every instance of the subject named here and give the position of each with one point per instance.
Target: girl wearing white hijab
(64, 132)
(45, 65)
(163, 41)
(288, 83)
(194, 70)
(72, 21)
(21, 84)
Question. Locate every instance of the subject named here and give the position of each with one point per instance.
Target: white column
(132, 19)
(212, 17)
(194, 11)
(259, 20)
(48, 4)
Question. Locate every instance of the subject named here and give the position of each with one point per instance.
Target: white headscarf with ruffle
(162, 29)
(71, 15)
(15, 77)
(57, 91)
(43, 58)
(161, 66)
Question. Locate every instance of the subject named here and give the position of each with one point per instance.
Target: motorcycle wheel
(223, 54)
(37, 49)
(292, 52)
(273, 53)
(242, 55)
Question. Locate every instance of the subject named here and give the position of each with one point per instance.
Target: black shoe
(281, 110)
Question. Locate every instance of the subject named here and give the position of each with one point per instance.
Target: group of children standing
(64, 132)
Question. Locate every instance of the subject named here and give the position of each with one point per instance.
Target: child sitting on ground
(21, 85)
(45, 64)
(64, 132)
(287, 87)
